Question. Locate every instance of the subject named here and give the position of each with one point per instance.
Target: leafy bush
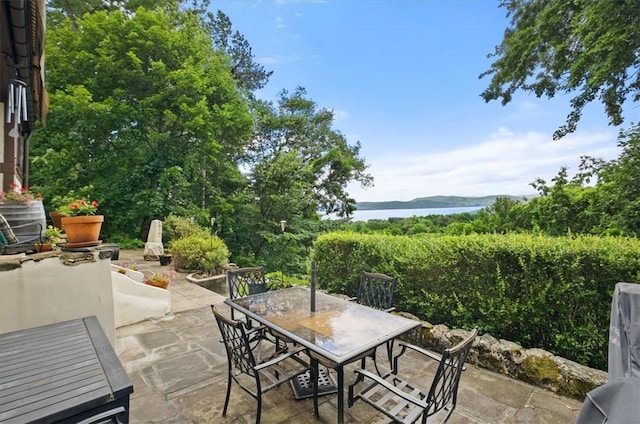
(175, 227)
(548, 292)
(277, 280)
(125, 242)
(208, 254)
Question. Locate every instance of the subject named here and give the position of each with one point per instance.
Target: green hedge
(545, 292)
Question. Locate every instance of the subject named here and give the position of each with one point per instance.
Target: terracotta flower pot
(82, 229)
(56, 219)
(44, 247)
(163, 284)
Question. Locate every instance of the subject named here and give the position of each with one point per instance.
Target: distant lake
(365, 215)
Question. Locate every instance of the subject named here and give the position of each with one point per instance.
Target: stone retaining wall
(534, 366)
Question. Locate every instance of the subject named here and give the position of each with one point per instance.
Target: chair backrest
(444, 388)
(236, 344)
(245, 281)
(11, 243)
(376, 290)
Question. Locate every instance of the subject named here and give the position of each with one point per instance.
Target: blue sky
(402, 79)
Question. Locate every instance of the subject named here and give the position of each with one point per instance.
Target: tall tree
(618, 186)
(296, 165)
(249, 74)
(143, 109)
(298, 127)
(587, 47)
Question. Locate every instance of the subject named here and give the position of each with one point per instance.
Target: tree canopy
(587, 47)
(143, 109)
(153, 113)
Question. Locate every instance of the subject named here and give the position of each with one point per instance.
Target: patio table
(337, 332)
(66, 372)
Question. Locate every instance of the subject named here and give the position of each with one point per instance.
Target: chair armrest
(391, 309)
(391, 387)
(428, 353)
(279, 358)
(27, 224)
(352, 299)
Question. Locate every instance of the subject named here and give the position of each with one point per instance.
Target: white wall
(135, 301)
(47, 291)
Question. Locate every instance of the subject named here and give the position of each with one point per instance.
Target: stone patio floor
(179, 372)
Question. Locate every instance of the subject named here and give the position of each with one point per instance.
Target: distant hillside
(436, 202)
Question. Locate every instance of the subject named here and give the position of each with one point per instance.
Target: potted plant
(80, 222)
(160, 279)
(22, 195)
(52, 237)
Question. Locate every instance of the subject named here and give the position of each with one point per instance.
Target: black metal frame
(241, 361)
(405, 403)
(25, 245)
(246, 281)
(376, 291)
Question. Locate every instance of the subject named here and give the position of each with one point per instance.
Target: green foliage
(125, 242)
(175, 227)
(547, 292)
(302, 153)
(194, 252)
(300, 165)
(151, 105)
(453, 223)
(554, 46)
(278, 280)
(143, 108)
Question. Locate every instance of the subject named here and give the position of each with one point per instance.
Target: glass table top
(338, 329)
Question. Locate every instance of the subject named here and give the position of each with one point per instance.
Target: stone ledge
(534, 366)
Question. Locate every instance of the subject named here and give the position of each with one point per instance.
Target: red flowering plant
(78, 207)
(20, 194)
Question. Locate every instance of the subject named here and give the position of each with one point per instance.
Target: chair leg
(259, 408)
(226, 399)
(314, 378)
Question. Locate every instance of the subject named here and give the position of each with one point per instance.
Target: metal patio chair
(406, 403)
(254, 377)
(10, 243)
(247, 281)
(376, 291)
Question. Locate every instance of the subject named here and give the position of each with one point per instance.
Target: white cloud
(502, 163)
